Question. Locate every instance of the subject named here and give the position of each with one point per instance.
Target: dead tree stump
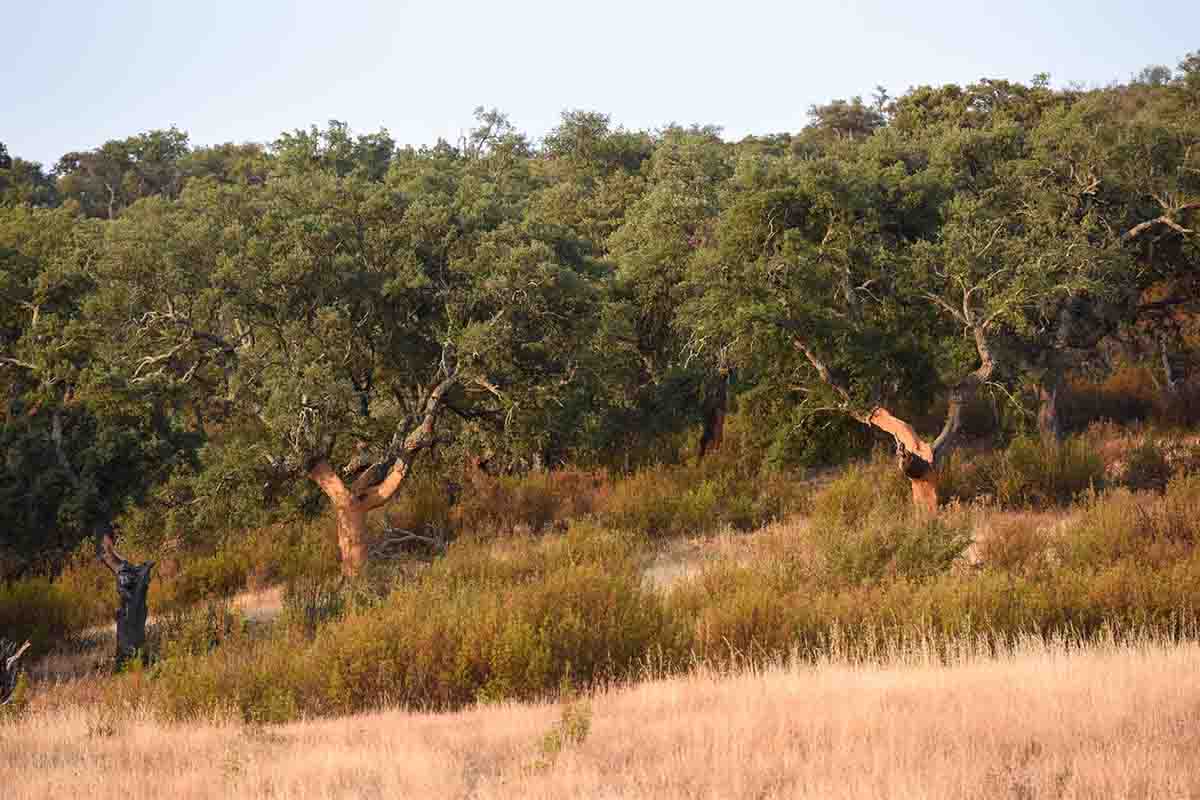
(133, 583)
(10, 656)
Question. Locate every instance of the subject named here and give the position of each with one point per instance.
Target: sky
(76, 74)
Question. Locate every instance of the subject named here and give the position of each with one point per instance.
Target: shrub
(217, 575)
(309, 602)
(1122, 525)
(1127, 395)
(1039, 474)
(1014, 544)
(40, 611)
(492, 620)
(530, 503)
(194, 631)
(1147, 467)
(859, 490)
(690, 499)
(1030, 473)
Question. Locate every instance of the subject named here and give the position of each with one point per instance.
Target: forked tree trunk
(351, 504)
(916, 458)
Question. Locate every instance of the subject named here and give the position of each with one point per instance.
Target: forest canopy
(212, 336)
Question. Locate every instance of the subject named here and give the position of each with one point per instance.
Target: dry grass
(1105, 721)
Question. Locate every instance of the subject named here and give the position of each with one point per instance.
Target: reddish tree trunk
(916, 458)
(352, 538)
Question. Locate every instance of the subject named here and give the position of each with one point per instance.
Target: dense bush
(38, 610)
(1029, 473)
(1127, 395)
(688, 499)
(510, 619)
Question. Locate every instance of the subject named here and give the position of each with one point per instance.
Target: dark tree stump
(133, 583)
(10, 655)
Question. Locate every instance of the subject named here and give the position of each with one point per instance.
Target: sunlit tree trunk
(351, 504)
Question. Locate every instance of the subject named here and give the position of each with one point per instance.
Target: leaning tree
(336, 321)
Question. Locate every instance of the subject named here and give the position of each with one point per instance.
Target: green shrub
(530, 503)
(512, 617)
(218, 575)
(1128, 395)
(1122, 525)
(492, 620)
(685, 500)
(194, 631)
(309, 602)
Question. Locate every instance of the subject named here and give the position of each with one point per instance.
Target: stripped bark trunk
(351, 504)
(917, 459)
(133, 584)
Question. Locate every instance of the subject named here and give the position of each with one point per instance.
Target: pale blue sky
(75, 74)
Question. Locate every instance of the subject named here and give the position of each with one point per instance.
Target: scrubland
(700, 630)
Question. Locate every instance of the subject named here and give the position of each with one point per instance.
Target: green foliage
(891, 544)
(195, 631)
(1123, 526)
(309, 602)
(511, 618)
(689, 499)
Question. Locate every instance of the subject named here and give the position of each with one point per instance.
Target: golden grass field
(1043, 721)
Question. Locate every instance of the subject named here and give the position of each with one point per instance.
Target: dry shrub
(253, 560)
(38, 610)
(1017, 544)
(1122, 525)
(1180, 409)
(1127, 395)
(860, 489)
(890, 545)
(494, 619)
(688, 499)
(530, 503)
(1146, 467)
(1029, 473)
